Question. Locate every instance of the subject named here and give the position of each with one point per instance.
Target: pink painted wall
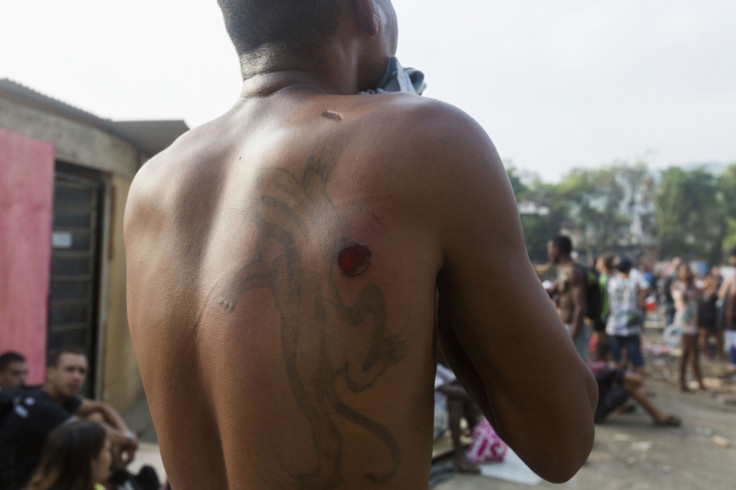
(26, 206)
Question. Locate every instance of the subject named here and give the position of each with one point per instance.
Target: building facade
(64, 180)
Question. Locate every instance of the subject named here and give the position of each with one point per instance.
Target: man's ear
(366, 17)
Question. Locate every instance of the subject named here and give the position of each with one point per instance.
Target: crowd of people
(51, 437)
(603, 305)
(699, 309)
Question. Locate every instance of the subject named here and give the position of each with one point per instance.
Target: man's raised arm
(497, 326)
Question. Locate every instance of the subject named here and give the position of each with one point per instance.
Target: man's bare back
(294, 279)
(567, 275)
(282, 267)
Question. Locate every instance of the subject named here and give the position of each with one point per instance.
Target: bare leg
(683, 362)
(720, 351)
(634, 384)
(456, 409)
(695, 362)
(703, 342)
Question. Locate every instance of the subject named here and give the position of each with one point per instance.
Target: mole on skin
(354, 260)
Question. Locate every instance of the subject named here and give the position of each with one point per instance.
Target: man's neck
(53, 394)
(287, 80)
(333, 69)
(564, 261)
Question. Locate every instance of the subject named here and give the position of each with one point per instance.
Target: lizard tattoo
(295, 216)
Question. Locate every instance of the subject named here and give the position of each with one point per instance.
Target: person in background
(643, 285)
(75, 456)
(624, 321)
(459, 406)
(669, 278)
(39, 411)
(616, 386)
(708, 317)
(687, 296)
(605, 267)
(727, 297)
(570, 291)
(13, 370)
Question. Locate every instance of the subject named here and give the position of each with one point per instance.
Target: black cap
(624, 264)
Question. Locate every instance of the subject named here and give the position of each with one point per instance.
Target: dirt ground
(630, 453)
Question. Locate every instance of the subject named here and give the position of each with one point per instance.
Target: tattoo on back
(324, 338)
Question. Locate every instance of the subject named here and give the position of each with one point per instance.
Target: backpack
(594, 294)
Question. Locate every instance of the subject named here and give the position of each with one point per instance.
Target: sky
(556, 84)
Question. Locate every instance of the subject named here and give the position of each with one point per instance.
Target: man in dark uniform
(34, 413)
(13, 370)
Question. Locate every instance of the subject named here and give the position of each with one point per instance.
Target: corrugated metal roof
(150, 137)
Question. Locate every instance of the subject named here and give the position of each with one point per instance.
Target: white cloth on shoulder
(399, 79)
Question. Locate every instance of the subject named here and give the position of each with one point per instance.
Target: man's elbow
(574, 444)
(564, 462)
(568, 466)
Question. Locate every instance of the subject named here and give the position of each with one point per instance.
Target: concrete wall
(122, 385)
(82, 144)
(26, 204)
(75, 142)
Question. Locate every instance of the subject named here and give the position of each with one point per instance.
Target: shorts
(608, 401)
(731, 346)
(582, 343)
(630, 343)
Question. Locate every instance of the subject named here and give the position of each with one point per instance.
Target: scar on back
(354, 260)
(332, 115)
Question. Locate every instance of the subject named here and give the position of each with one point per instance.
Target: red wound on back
(354, 260)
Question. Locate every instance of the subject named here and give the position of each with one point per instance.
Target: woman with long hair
(687, 296)
(76, 456)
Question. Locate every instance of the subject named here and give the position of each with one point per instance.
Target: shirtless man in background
(282, 267)
(569, 289)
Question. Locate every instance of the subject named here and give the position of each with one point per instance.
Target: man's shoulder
(420, 118)
(35, 407)
(575, 271)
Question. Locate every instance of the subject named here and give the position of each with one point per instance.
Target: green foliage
(691, 217)
(516, 184)
(625, 208)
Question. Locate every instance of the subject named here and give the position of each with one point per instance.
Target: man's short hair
(297, 27)
(733, 252)
(563, 244)
(56, 354)
(624, 265)
(9, 357)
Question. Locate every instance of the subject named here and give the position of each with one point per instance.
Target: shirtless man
(282, 267)
(569, 289)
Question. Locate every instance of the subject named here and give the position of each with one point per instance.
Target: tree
(691, 219)
(727, 187)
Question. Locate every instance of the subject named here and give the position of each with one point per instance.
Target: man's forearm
(112, 418)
